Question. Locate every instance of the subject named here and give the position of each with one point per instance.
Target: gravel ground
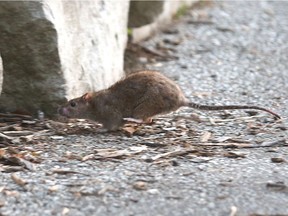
(228, 53)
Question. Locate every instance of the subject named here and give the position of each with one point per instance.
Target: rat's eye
(72, 104)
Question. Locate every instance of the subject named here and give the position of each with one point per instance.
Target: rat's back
(148, 93)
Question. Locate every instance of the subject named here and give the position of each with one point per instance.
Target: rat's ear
(87, 97)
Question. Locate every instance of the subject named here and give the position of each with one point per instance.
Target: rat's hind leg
(148, 120)
(151, 105)
(146, 109)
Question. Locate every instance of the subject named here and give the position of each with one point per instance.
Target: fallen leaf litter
(164, 143)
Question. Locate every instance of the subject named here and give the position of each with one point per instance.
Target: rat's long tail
(228, 107)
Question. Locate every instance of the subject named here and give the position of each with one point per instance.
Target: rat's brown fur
(139, 96)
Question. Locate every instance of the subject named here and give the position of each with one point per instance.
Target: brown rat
(138, 97)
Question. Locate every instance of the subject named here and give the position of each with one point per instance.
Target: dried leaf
(281, 142)
(139, 121)
(278, 160)
(195, 117)
(229, 139)
(200, 159)
(129, 130)
(233, 211)
(206, 136)
(233, 154)
(140, 185)
(28, 122)
(88, 157)
(2, 153)
(26, 139)
(16, 128)
(9, 169)
(65, 211)
(202, 94)
(53, 188)
(153, 191)
(105, 189)
(57, 137)
(11, 193)
(5, 137)
(178, 152)
(20, 162)
(72, 156)
(153, 144)
(2, 203)
(163, 162)
(169, 128)
(32, 158)
(114, 153)
(66, 171)
(278, 186)
(19, 181)
(13, 150)
(18, 133)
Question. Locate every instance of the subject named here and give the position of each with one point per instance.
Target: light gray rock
(56, 49)
(165, 10)
(144, 12)
(32, 76)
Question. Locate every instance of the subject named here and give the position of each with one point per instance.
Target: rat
(138, 97)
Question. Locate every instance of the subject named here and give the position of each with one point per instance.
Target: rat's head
(77, 107)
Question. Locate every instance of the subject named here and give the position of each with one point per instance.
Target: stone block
(144, 12)
(160, 20)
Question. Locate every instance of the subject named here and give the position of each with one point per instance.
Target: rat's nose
(63, 111)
